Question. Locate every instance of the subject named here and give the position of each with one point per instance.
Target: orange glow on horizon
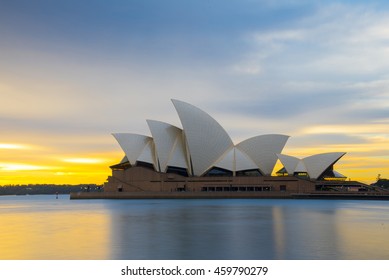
(371, 128)
(13, 146)
(48, 166)
(84, 160)
(21, 167)
(69, 163)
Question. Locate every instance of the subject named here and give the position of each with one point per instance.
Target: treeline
(48, 189)
(382, 183)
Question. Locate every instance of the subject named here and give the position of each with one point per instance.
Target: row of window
(213, 172)
(236, 189)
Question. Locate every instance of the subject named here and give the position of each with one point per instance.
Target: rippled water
(42, 227)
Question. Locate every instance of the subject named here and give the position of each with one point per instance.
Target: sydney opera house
(201, 157)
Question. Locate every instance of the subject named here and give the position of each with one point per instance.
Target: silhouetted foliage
(48, 189)
(382, 183)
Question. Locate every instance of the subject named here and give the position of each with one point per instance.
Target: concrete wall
(141, 179)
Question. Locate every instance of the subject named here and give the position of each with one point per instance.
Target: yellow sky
(70, 76)
(31, 163)
(21, 163)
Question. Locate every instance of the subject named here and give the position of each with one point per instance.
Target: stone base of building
(142, 179)
(145, 183)
(237, 195)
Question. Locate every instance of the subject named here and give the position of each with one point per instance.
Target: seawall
(229, 195)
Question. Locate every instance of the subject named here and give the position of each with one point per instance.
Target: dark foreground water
(42, 227)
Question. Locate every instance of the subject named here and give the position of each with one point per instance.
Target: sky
(73, 72)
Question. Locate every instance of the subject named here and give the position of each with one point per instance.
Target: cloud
(370, 128)
(83, 160)
(329, 65)
(12, 167)
(72, 73)
(12, 146)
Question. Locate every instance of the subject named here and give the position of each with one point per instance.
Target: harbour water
(41, 227)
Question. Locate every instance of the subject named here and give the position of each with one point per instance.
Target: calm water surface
(42, 227)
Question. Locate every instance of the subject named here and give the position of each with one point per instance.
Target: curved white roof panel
(243, 161)
(203, 143)
(132, 144)
(206, 139)
(317, 164)
(301, 167)
(338, 175)
(168, 144)
(227, 161)
(148, 154)
(178, 157)
(263, 150)
(290, 163)
(236, 160)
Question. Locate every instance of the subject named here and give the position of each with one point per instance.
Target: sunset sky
(73, 72)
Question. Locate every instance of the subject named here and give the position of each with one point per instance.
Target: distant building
(201, 157)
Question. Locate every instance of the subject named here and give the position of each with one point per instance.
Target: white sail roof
(227, 161)
(148, 154)
(203, 144)
(338, 175)
(168, 143)
(263, 150)
(314, 165)
(236, 160)
(206, 139)
(132, 144)
(243, 161)
(301, 167)
(317, 164)
(178, 156)
(290, 163)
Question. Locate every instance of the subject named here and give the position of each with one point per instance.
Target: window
(249, 172)
(177, 170)
(217, 171)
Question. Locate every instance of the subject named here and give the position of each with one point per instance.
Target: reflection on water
(362, 230)
(41, 227)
